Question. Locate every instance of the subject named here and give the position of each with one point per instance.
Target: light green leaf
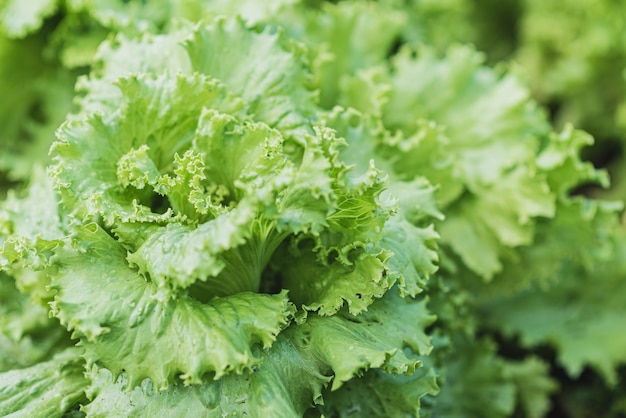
(534, 385)
(152, 334)
(415, 255)
(176, 256)
(266, 70)
(286, 384)
(27, 334)
(479, 226)
(31, 226)
(289, 381)
(123, 56)
(351, 344)
(160, 113)
(380, 394)
(582, 231)
(580, 315)
(47, 389)
(343, 38)
(573, 329)
(324, 287)
(474, 383)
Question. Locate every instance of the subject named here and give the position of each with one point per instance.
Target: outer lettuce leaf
(576, 258)
(149, 335)
(303, 360)
(481, 225)
(49, 389)
(28, 219)
(477, 382)
(277, 89)
(343, 38)
(374, 339)
(176, 256)
(379, 394)
(27, 334)
(123, 55)
(30, 226)
(534, 385)
(582, 231)
(233, 395)
(585, 310)
(267, 70)
(488, 151)
(415, 255)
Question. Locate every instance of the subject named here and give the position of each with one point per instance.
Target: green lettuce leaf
(277, 90)
(380, 394)
(476, 381)
(305, 358)
(585, 310)
(151, 334)
(582, 232)
(475, 133)
(49, 388)
(27, 334)
(29, 218)
(30, 227)
(410, 234)
(343, 38)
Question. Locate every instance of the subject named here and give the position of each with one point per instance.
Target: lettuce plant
(220, 237)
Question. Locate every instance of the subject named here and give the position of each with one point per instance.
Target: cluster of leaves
(292, 208)
(571, 51)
